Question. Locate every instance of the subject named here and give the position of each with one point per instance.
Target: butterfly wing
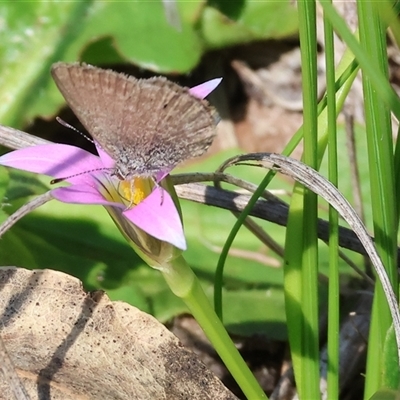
(145, 125)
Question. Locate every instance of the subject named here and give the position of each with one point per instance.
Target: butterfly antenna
(58, 180)
(67, 125)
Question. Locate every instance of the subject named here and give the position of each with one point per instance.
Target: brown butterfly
(145, 125)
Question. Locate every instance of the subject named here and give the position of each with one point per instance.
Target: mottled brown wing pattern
(145, 125)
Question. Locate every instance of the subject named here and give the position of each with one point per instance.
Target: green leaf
(248, 312)
(32, 36)
(4, 182)
(23, 184)
(225, 24)
(385, 394)
(16, 251)
(141, 35)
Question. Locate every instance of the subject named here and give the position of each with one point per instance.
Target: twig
(24, 210)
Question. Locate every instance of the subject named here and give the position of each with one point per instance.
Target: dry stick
(24, 210)
(10, 375)
(265, 238)
(319, 185)
(354, 266)
(273, 210)
(180, 179)
(276, 212)
(253, 227)
(250, 187)
(15, 139)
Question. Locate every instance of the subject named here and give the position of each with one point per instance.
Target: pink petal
(107, 161)
(82, 194)
(162, 174)
(203, 90)
(158, 216)
(56, 160)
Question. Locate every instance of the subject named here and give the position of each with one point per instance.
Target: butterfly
(145, 125)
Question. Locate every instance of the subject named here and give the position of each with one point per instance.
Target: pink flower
(141, 207)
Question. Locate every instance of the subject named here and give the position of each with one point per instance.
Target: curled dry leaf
(312, 180)
(68, 344)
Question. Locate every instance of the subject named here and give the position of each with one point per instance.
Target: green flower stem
(184, 284)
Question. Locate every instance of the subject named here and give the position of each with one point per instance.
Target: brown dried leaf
(68, 344)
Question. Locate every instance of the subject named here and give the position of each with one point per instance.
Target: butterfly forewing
(145, 125)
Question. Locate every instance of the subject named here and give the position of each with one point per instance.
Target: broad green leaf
(32, 36)
(255, 311)
(141, 35)
(225, 24)
(23, 184)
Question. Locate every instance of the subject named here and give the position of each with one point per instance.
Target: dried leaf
(68, 344)
(312, 180)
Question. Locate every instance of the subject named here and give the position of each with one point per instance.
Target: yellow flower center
(136, 190)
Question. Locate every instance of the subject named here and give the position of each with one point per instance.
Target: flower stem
(184, 284)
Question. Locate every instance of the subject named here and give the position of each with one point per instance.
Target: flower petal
(56, 160)
(82, 194)
(107, 161)
(203, 90)
(160, 175)
(157, 215)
